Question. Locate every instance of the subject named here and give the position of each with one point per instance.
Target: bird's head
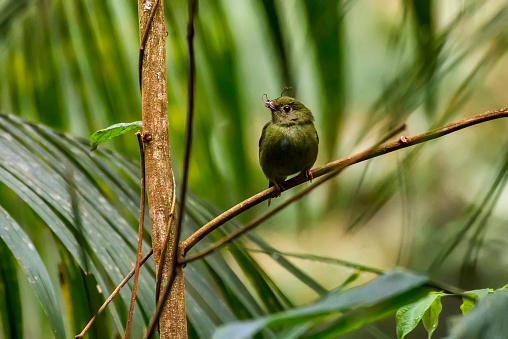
(288, 111)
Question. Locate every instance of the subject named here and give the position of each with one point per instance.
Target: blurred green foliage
(362, 67)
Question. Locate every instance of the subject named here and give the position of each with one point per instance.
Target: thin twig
(340, 164)
(255, 222)
(274, 211)
(143, 42)
(450, 289)
(112, 295)
(193, 4)
(140, 236)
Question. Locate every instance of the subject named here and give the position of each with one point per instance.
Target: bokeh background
(361, 66)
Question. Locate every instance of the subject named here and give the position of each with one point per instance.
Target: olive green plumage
(289, 142)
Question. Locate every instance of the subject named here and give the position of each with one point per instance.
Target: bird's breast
(285, 143)
(288, 150)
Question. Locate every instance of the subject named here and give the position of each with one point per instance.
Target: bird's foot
(278, 188)
(308, 174)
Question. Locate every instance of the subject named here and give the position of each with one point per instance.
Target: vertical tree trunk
(159, 173)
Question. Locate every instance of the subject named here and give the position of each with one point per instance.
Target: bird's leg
(308, 174)
(278, 187)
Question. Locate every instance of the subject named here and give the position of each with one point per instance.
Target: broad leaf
(410, 315)
(24, 250)
(10, 301)
(431, 316)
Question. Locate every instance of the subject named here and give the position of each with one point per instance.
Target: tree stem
(159, 173)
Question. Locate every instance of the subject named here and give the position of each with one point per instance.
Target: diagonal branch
(239, 232)
(112, 295)
(332, 167)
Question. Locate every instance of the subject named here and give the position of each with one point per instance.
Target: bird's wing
(317, 136)
(262, 138)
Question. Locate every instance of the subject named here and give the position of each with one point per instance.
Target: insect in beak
(270, 105)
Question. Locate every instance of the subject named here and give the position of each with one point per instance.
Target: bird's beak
(269, 104)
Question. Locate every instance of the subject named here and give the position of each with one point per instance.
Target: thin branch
(232, 236)
(140, 235)
(450, 289)
(143, 42)
(254, 200)
(193, 4)
(115, 292)
(333, 167)
(239, 232)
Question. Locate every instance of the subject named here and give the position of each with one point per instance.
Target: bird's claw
(278, 188)
(308, 174)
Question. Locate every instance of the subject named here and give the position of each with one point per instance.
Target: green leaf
(111, 132)
(486, 320)
(81, 298)
(377, 292)
(359, 317)
(31, 263)
(11, 315)
(32, 165)
(467, 304)
(431, 316)
(409, 316)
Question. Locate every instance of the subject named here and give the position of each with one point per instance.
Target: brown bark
(159, 178)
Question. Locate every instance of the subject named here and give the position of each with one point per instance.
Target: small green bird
(289, 143)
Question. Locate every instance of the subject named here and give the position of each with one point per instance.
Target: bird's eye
(287, 109)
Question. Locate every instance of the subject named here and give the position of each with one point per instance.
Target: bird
(288, 143)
